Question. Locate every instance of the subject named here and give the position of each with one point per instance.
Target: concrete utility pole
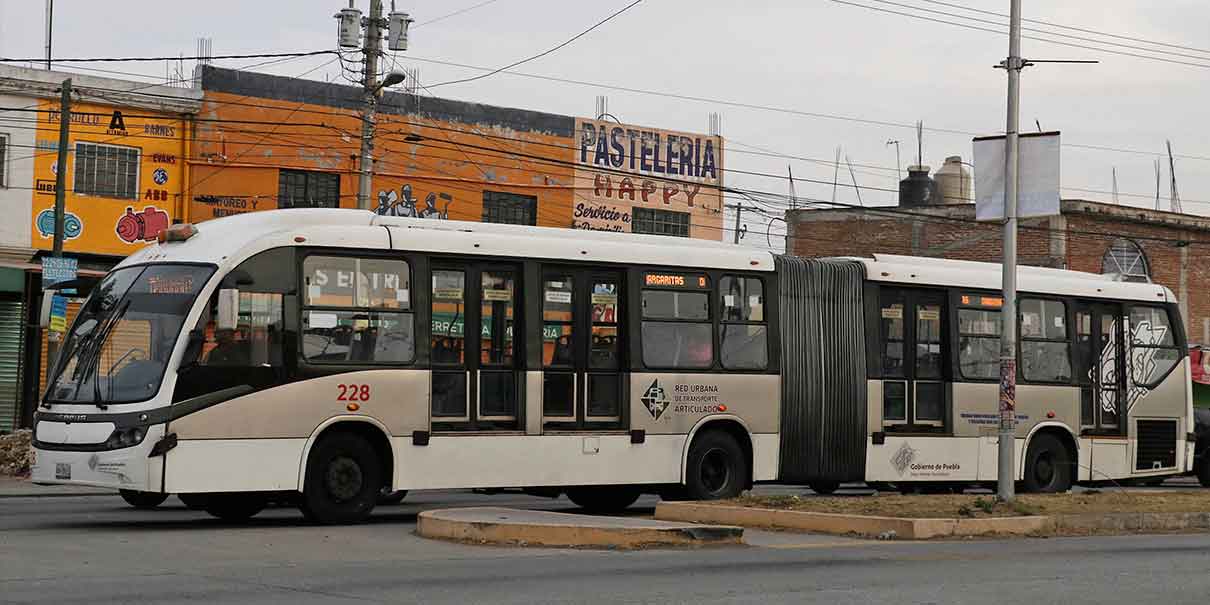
(371, 48)
(1008, 331)
(50, 19)
(52, 343)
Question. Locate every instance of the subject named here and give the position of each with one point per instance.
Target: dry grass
(959, 506)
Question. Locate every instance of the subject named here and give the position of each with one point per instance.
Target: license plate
(62, 470)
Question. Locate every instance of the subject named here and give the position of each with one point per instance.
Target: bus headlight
(125, 438)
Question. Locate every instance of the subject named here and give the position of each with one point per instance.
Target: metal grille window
(107, 171)
(307, 189)
(660, 222)
(3, 161)
(509, 208)
(1125, 259)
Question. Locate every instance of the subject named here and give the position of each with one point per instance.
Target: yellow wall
(97, 224)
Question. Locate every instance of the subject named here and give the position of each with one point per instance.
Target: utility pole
(740, 229)
(739, 209)
(1008, 331)
(50, 18)
(349, 33)
(371, 48)
(52, 341)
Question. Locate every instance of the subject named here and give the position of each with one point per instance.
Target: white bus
(322, 356)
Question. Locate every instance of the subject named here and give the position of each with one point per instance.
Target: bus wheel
(142, 500)
(1203, 471)
(603, 499)
(1047, 469)
(716, 469)
(235, 507)
(344, 479)
(824, 488)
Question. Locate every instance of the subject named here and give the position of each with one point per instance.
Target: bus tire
(235, 507)
(717, 468)
(824, 488)
(343, 482)
(604, 498)
(1047, 469)
(142, 500)
(1202, 468)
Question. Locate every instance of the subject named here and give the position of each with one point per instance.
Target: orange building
(264, 142)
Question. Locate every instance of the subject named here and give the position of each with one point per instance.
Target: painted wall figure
(403, 204)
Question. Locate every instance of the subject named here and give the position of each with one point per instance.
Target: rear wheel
(1203, 471)
(344, 478)
(824, 488)
(717, 468)
(142, 500)
(1047, 467)
(603, 499)
(235, 507)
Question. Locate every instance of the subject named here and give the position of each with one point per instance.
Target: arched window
(1126, 259)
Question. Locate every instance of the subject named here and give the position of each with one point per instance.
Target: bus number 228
(353, 392)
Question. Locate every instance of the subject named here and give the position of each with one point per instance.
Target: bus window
(1045, 352)
(558, 350)
(676, 330)
(357, 310)
(743, 335)
(979, 343)
(1153, 347)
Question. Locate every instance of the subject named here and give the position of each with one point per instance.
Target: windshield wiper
(89, 358)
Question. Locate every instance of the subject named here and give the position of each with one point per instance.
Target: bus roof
(987, 276)
(239, 236)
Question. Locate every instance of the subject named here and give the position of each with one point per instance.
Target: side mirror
(237, 278)
(228, 309)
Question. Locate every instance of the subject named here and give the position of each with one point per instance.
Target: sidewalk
(14, 487)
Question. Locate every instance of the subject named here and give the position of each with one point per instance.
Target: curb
(513, 527)
(831, 523)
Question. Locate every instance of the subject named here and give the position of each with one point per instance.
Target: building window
(660, 222)
(1126, 260)
(107, 171)
(509, 208)
(307, 189)
(3, 161)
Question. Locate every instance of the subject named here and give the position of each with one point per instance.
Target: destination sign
(690, 281)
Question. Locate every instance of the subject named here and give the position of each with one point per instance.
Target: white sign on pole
(1038, 185)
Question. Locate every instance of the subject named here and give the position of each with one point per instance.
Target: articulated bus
(324, 356)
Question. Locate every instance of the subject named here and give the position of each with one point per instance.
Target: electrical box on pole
(348, 33)
(397, 30)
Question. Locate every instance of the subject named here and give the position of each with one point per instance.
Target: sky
(807, 56)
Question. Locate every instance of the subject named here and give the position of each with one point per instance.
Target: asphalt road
(97, 550)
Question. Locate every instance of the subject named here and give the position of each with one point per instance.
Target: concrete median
(507, 526)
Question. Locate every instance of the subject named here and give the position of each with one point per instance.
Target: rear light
(177, 233)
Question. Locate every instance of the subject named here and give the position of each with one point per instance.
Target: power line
(543, 53)
(292, 55)
(454, 14)
(998, 32)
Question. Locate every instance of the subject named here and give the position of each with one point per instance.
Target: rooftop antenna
(793, 195)
(1115, 187)
(1174, 197)
(852, 174)
(836, 175)
(1157, 183)
(205, 50)
(716, 124)
(1039, 124)
(919, 142)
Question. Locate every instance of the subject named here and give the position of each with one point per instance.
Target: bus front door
(1100, 357)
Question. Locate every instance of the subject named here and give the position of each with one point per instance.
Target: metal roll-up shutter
(12, 313)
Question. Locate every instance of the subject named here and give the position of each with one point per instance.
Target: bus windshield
(120, 344)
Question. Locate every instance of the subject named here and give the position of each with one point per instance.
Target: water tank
(953, 182)
(917, 189)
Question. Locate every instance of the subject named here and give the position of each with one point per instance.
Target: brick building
(1135, 243)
